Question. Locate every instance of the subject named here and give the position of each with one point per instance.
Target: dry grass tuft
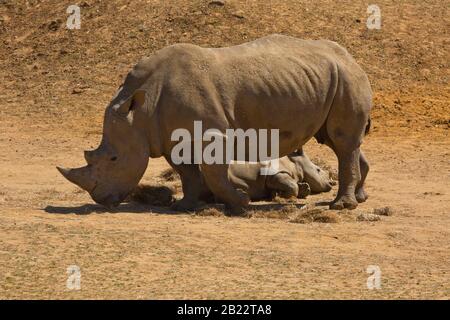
(385, 211)
(281, 200)
(209, 212)
(268, 214)
(310, 215)
(152, 195)
(283, 214)
(169, 175)
(368, 217)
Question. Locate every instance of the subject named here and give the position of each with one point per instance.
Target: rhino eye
(113, 159)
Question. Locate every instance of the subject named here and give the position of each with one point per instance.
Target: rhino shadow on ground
(130, 207)
(158, 199)
(136, 207)
(143, 199)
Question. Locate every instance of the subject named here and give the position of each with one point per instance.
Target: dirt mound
(315, 215)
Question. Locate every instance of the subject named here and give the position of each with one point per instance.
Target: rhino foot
(235, 211)
(361, 195)
(244, 198)
(184, 205)
(238, 207)
(344, 202)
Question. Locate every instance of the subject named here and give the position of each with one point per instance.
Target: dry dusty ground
(54, 84)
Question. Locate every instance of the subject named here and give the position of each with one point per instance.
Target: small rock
(217, 3)
(368, 217)
(425, 72)
(239, 14)
(77, 91)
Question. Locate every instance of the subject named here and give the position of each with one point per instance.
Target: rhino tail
(369, 122)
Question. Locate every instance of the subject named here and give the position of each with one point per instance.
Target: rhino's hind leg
(360, 193)
(349, 176)
(216, 178)
(346, 126)
(345, 140)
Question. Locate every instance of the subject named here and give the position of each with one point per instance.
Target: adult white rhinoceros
(304, 88)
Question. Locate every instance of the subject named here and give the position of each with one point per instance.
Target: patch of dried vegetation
(282, 213)
(153, 195)
(209, 212)
(169, 175)
(312, 214)
(384, 211)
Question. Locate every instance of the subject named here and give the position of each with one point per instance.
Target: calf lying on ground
(297, 176)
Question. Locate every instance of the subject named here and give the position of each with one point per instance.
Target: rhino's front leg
(193, 186)
(216, 178)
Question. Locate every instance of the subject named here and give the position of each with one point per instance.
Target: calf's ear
(136, 101)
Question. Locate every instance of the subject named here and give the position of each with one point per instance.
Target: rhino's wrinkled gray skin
(303, 88)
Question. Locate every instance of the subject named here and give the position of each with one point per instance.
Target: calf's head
(318, 180)
(117, 165)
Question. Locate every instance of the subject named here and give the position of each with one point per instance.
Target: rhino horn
(80, 176)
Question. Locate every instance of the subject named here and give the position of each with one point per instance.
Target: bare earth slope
(55, 83)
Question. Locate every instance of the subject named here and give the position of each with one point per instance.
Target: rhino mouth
(111, 201)
(95, 187)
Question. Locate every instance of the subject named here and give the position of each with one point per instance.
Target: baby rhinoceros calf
(296, 176)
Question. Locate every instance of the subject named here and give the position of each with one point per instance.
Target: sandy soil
(54, 84)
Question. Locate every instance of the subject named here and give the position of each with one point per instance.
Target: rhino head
(318, 180)
(117, 165)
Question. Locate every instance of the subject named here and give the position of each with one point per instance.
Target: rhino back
(276, 82)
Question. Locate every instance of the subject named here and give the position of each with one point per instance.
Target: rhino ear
(136, 101)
